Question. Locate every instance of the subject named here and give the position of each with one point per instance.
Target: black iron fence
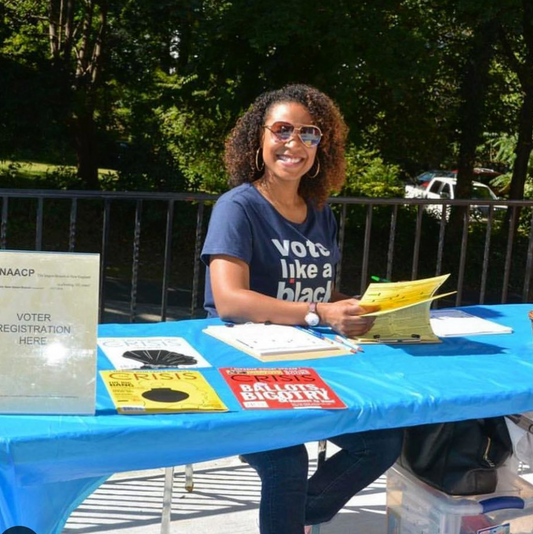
(150, 244)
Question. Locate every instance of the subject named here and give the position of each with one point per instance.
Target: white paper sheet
(449, 323)
(268, 339)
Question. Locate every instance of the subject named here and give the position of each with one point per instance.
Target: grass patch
(25, 174)
(28, 169)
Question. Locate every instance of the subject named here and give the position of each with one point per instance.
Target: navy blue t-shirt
(288, 261)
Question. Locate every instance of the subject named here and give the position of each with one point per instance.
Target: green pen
(380, 280)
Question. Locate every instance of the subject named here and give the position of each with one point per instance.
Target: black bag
(458, 458)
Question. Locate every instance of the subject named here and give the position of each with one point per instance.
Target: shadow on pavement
(225, 500)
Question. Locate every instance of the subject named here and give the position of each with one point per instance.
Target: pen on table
(379, 279)
(313, 333)
(348, 344)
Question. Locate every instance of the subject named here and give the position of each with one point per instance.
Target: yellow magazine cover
(142, 392)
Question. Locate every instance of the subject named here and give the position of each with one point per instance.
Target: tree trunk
(89, 33)
(84, 130)
(473, 93)
(523, 70)
(474, 89)
(523, 148)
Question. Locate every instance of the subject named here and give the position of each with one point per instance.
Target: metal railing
(396, 238)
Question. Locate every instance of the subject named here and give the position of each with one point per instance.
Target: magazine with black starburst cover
(280, 389)
(151, 353)
(145, 392)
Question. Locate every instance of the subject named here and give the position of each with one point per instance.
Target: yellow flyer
(144, 392)
(388, 297)
(402, 311)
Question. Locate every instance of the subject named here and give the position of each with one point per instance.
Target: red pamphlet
(280, 389)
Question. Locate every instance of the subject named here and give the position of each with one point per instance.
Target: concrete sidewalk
(225, 500)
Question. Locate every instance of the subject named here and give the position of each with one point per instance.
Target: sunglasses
(282, 131)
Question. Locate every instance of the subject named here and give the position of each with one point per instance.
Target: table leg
(322, 446)
(167, 501)
(189, 480)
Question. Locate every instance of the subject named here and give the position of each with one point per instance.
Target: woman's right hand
(346, 317)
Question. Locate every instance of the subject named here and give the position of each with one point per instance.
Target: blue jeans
(289, 500)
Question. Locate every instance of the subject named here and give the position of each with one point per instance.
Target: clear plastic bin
(413, 507)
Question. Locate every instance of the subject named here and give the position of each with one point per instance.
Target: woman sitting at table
(271, 254)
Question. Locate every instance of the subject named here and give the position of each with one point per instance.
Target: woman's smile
(289, 159)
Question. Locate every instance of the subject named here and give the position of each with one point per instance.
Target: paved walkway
(224, 500)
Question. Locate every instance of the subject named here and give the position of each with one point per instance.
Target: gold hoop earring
(257, 161)
(317, 169)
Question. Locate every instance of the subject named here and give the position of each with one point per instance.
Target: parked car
(427, 176)
(442, 187)
(485, 176)
(482, 174)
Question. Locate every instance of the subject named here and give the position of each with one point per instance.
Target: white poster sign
(48, 327)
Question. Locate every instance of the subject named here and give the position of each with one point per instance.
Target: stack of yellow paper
(402, 311)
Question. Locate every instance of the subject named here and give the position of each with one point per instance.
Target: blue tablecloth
(49, 464)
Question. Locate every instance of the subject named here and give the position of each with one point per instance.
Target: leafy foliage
(367, 175)
(196, 142)
(153, 88)
(503, 152)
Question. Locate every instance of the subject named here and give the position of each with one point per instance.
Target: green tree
(66, 41)
(168, 79)
(367, 175)
(516, 38)
(370, 57)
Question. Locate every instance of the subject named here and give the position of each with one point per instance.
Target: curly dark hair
(245, 139)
